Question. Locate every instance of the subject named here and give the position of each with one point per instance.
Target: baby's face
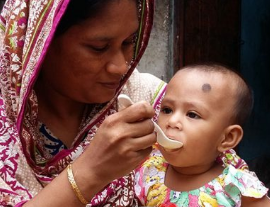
(195, 110)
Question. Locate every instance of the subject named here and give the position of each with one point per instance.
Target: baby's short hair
(244, 102)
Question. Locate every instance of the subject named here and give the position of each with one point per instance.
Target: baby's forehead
(209, 82)
(204, 75)
(202, 71)
(198, 76)
(208, 88)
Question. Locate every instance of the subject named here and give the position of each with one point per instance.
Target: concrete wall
(155, 60)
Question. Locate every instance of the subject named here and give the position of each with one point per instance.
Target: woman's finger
(136, 112)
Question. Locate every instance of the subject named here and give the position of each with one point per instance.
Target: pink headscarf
(27, 28)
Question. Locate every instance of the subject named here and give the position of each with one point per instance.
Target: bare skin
(91, 74)
(197, 113)
(251, 202)
(97, 62)
(182, 182)
(128, 140)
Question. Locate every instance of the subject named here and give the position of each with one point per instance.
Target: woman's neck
(187, 179)
(53, 102)
(61, 115)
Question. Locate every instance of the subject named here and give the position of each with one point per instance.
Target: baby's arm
(255, 202)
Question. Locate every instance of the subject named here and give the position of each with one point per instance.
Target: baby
(205, 107)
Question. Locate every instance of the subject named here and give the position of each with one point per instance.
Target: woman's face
(87, 62)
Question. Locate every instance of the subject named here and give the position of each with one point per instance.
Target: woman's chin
(99, 98)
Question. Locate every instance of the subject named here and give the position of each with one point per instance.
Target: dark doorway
(235, 33)
(207, 30)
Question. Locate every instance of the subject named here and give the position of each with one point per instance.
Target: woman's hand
(121, 143)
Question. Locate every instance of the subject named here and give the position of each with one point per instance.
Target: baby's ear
(231, 137)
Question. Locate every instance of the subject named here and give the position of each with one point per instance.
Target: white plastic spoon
(162, 139)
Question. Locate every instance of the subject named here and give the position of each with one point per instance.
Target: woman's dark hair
(78, 11)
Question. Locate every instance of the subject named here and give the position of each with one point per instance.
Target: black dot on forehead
(206, 87)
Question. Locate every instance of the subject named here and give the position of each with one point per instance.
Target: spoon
(162, 139)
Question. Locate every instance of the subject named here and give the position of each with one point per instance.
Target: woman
(63, 64)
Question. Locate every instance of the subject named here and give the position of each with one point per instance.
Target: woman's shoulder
(144, 86)
(144, 78)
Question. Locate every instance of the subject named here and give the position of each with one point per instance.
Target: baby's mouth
(172, 137)
(171, 150)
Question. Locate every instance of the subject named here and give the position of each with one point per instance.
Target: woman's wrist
(74, 185)
(61, 193)
(87, 180)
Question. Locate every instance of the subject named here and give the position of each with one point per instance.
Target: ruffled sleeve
(244, 183)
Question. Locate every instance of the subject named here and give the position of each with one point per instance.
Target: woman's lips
(113, 85)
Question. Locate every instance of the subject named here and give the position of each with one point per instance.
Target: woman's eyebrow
(106, 38)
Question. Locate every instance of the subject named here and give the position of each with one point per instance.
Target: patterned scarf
(27, 28)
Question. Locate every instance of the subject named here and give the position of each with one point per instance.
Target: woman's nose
(117, 64)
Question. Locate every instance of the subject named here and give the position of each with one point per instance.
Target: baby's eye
(193, 115)
(166, 110)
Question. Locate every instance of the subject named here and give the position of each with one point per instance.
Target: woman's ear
(231, 137)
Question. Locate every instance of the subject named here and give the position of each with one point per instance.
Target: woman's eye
(193, 115)
(128, 42)
(166, 110)
(131, 40)
(99, 49)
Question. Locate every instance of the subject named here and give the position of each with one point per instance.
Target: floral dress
(224, 191)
